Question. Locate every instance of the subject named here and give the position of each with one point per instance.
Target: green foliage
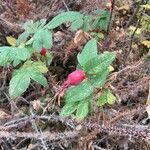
(88, 52)
(99, 63)
(38, 34)
(42, 38)
(68, 109)
(21, 78)
(76, 19)
(102, 20)
(13, 55)
(79, 92)
(106, 97)
(96, 67)
(82, 110)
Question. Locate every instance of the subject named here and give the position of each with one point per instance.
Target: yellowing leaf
(111, 68)
(108, 5)
(40, 67)
(11, 40)
(147, 6)
(106, 97)
(138, 31)
(135, 46)
(146, 43)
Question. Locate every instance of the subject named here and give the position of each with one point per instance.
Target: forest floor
(122, 126)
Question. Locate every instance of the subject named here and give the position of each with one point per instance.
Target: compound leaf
(79, 92)
(100, 63)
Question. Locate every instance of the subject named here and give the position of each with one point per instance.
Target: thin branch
(46, 135)
(134, 14)
(133, 34)
(122, 130)
(111, 14)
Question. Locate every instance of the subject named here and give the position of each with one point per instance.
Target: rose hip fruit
(76, 77)
(43, 51)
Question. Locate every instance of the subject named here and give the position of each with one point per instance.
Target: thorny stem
(121, 131)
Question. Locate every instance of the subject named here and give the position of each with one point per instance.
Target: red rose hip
(43, 51)
(76, 77)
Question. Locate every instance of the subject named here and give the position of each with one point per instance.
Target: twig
(125, 114)
(111, 13)
(121, 131)
(46, 135)
(148, 99)
(134, 14)
(65, 5)
(133, 34)
(21, 122)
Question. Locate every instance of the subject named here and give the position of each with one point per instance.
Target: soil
(123, 126)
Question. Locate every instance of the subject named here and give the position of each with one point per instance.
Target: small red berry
(43, 51)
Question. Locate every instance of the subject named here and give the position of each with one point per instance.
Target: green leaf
(106, 97)
(39, 78)
(42, 23)
(22, 38)
(76, 24)
(79, 92)
(87, 21)
(46, 38)
(99, 79)
(100, 63)
(37, 45)
(103, 13)
(13, 54)
(5, 55)
(30, 28)
(42, 38)
(68, 109)
(49, 58)
(110, 98)
(19, 83)
(103, 23)
(70, 16)
(83, 109)
(102, 20)
(40, 66)
(21, 53)
(21, 78)
(97, 36)
(89, 52)
(95, 23)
